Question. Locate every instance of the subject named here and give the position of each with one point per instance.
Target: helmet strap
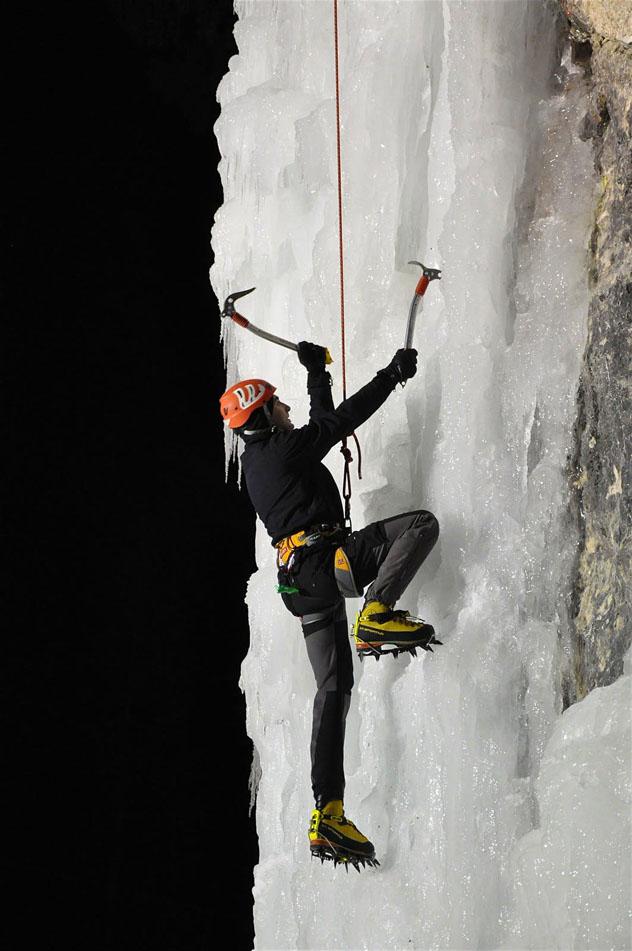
(267, 412)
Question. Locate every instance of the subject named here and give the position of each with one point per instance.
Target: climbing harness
(286, 547)
(290, 548)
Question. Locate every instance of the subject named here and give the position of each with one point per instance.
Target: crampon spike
(369, 651)
(325, 853)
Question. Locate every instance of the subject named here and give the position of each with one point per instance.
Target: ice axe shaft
(229, 311)
(429, 274)
(263, 333)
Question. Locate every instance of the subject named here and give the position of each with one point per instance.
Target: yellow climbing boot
(332, 836)
(377, 626)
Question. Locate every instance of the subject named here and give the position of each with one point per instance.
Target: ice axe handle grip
(239, 319)
(422, 285)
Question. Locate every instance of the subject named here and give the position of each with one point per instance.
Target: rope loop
(346, 478)
(346, 482)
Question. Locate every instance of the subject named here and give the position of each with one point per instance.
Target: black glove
(402, 367)
(311, 356)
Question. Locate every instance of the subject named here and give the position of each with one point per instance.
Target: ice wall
(460, 148)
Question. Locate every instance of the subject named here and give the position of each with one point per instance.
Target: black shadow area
(129, 554)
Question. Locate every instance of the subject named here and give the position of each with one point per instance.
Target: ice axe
(429, 274)
(229, 311)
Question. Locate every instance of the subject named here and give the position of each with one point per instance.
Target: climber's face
(281, 416)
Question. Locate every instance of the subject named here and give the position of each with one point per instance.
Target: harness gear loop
(346, 479)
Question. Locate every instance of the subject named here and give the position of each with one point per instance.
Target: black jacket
(289, 486)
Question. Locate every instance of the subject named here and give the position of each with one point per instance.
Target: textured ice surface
(496, 819)
(571, 874)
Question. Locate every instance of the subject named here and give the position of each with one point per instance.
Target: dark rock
(590, 19)
(601, 495)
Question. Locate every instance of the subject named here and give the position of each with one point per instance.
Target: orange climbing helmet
(241, 400)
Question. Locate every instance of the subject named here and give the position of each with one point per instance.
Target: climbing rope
(339, 153)
(346, 452)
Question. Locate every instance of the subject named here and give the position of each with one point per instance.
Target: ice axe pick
(229, 311)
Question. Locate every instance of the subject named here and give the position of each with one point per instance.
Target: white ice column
(460, 148)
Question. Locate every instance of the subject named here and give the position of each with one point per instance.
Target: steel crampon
(365, 649)
(370, 651)
(341, 857)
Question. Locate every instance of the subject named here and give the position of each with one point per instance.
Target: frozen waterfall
(499, 822)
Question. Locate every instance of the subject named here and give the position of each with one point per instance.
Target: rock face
(601, 497)
(611, 19)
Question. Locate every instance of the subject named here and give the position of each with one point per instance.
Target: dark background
(129, 553)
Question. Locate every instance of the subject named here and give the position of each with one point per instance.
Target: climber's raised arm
(331, 426)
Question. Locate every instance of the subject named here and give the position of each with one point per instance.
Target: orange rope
(346, 481)
(338, 150)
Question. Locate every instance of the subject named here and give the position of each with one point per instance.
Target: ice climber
(320, 562)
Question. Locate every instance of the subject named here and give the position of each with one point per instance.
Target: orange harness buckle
(287, 546)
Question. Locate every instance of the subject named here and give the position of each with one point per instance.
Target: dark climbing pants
(386, 556)
(327, 642)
